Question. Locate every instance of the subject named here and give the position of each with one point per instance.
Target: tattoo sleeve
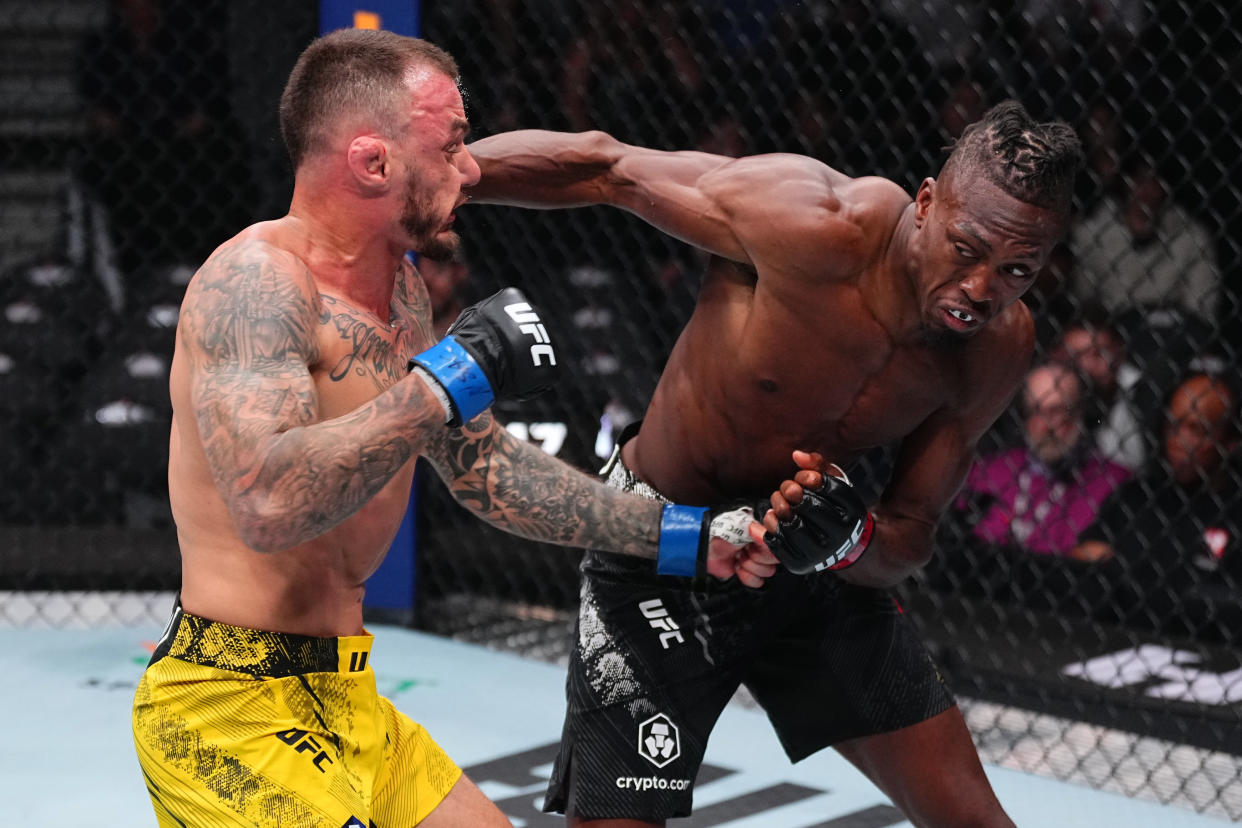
(516, 487)
(248, 327)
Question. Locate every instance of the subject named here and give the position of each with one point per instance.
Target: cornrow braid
(1030, 161)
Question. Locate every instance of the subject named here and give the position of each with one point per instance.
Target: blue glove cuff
(452, 366)
(681, 531)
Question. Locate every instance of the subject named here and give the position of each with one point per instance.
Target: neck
(345, 248)
(894, 293)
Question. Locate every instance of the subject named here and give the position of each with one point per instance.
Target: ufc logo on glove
(529, 324)
(478, 360)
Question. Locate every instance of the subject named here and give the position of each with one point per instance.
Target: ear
(923, 201)
(368, 161)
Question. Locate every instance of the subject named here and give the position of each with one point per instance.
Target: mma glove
(686, 531)
(830, 529)
(497, 349)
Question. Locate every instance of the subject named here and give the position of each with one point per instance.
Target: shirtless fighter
(848, 316)
(297, 421)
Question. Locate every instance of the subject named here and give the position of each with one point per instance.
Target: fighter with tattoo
(306, 381)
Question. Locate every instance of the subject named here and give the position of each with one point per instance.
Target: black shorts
(657, 659)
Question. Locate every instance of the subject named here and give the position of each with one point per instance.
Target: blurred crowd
(1115, 467)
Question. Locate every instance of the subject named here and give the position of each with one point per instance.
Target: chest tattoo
(370, 352)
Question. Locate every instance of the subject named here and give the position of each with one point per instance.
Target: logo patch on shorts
(657, 616)
(354, 822)
(659, 741)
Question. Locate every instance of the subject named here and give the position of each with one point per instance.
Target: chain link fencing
(1084, 600)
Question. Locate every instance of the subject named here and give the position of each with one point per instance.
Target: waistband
(618, 476)
(257, 652)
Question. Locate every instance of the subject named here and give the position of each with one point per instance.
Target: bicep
(248, 327)
(730, 207)
(673, 191)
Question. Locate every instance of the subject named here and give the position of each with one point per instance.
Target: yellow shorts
(241, 727)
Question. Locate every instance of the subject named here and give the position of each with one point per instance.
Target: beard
(1060, 455)
(422, 225)
(941, 338)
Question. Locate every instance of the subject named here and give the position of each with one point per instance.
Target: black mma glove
(497, 348)
(830, 529)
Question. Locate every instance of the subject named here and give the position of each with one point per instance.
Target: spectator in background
(964, 102)
(1049, 298)
(947, 30)
(161, 153)
(1037, 497)
(1112, 410)
(723, 134)
(1170, 540)
(854, 79)
(638, 77)
(512, 76)
(1103, 134)
(1068, 46)
(958, 94)
(1143, 249)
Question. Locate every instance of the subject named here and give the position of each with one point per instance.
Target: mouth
(960, 319)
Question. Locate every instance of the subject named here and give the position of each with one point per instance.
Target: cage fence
(1084, 600)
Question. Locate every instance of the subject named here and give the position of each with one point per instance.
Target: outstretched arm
(536, 168)
(730, 207)
(515, 486)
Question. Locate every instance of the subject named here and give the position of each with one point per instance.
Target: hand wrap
(686, 531)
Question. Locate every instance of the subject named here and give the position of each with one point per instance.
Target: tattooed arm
(248, 330)
(515, 486)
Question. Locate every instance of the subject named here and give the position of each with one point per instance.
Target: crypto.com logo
(658, 740)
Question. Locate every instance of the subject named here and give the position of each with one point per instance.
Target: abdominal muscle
(314, 589)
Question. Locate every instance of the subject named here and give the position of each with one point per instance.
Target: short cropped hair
(352, 72)
(1033, 162)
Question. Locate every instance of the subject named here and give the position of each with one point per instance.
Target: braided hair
(1033, 162)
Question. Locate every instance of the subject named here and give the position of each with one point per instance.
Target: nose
(977, 284)
(470, 172)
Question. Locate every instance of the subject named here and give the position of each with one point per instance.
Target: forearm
(293, 486)
(538, 168)
(515, 486)
(898, 547)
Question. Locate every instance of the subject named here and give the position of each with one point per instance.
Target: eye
(1017, 271)
(964, 251)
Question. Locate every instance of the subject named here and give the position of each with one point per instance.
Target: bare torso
(314, 588)
(759, 372)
